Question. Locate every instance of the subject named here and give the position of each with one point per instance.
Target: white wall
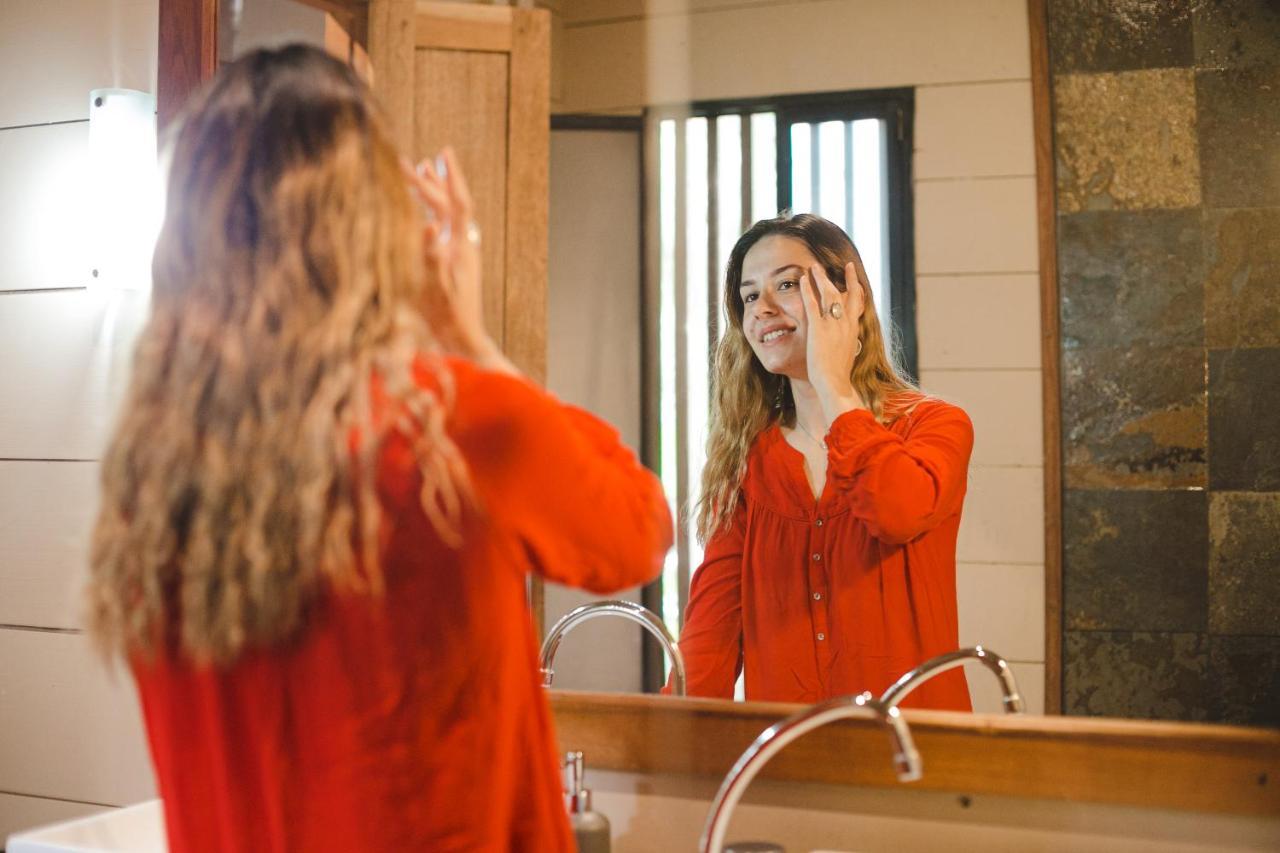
(975, 207)
(71, 738)
(593, 353)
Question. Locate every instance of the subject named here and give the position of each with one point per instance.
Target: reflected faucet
(627, 610)
(906, 760)
(898, 691)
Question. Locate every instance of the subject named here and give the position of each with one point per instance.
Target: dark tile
(1133, 418)
(1244, 419)
(1126, 141)
(1245, 680)
(1123, 674)
(1236, 33)
(1244, 563)
(1242, 290)
(1119, 35)
(1239, 126)
(1135, 561)
(1131, 278)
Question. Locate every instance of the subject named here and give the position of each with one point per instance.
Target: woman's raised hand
(451, 252)
(832, 342)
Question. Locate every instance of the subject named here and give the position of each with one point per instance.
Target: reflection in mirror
(1122, 563)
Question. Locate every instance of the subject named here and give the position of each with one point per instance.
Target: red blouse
(845, 594)
(416, 721)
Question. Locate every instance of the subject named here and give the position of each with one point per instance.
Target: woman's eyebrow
(778, 271)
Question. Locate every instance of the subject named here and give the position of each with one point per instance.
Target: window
(713, 169)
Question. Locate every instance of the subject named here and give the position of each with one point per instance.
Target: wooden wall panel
(71, 729)
(43, 221)
(65, 358)
(47, 511)
(52, 54)
(462, 101)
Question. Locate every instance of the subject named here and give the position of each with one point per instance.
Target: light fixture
(123, 188)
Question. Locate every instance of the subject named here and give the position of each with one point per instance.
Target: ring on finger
(835, 310)
(473, 232)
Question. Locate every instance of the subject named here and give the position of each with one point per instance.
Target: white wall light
(123, 188)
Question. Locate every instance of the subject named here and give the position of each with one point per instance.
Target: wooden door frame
(1050, 350)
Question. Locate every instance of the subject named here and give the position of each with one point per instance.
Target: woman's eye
(783, 285)
(750, 297)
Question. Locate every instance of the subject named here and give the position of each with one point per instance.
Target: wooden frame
(1182, 766)
(1050, 352)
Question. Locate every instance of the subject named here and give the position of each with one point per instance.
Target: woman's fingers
(459, 193)
(809, 297)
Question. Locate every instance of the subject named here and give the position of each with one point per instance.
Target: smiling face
(773, 319)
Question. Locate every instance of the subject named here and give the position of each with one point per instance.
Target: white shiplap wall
(71, 738)
(975, 206)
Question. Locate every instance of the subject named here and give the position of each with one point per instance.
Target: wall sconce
(124, 188)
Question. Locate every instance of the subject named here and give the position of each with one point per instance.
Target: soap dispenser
(590, 829)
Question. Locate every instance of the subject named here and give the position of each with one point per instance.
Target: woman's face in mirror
(773, 316)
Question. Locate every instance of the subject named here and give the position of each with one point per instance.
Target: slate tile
(1142, 675)
(1126, 141)
(1119, 35)
(1245, 673)
(1135, 560)
(1130, 278)
(1242, 288)
(1244, 563)
(1134, 418)
(1244, 419)
(1236, 33)
(1238, 122)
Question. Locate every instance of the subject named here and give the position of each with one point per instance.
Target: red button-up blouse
(845, 594)
(417, 720)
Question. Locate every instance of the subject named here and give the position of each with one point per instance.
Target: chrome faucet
(627, 610)
(906, 760)
(898, 691)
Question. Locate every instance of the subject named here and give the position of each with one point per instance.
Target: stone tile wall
(1167, 146)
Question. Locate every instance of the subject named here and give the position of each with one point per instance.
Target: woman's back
(415, 720)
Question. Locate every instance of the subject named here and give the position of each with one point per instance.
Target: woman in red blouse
(316, 526)
(832, 492)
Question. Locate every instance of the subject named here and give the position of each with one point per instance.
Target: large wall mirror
(1070, 210)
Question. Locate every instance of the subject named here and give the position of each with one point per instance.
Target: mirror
(1117, 298)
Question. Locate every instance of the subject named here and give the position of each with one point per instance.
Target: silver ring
(835, 310)
(473, 232)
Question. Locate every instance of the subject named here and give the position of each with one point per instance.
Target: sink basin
(135, 829)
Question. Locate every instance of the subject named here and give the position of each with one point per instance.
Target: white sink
(135, 829)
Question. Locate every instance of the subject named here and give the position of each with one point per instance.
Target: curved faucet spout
(627, 610)
(906, 759)
(1013, 703)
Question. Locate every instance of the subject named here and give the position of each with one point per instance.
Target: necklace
(813, 437)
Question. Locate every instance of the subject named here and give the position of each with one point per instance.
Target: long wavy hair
(747, 399)
(287, 291)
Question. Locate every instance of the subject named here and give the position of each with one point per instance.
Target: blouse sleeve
(711, 640)
(585, 510)
(902, 487)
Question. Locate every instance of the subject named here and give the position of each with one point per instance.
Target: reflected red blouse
(828, 598)
(416, 721)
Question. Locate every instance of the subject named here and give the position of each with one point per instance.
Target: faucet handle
(577, 799)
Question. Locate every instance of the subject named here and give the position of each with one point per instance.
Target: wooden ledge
(1204, 768)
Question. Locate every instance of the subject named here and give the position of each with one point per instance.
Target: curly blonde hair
(287, 291)
(747, 399)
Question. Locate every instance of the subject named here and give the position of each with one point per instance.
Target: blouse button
(817, 558)
(817, 596)
(818, 522)
(822, 636)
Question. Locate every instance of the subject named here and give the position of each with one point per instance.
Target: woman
(832, 490)
(316, 528)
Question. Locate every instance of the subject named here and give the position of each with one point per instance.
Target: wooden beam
(1181, 766)
(444, 26)
(187, 53)
(391, 24)
(1050, 353)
